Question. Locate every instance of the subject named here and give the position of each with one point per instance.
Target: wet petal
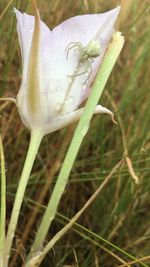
(25, 28)
(55, 67)
(61, 92)
(72, 117)
(81, 29)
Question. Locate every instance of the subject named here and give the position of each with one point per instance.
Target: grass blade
(3, 199)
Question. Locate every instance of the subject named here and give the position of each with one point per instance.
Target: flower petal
(25, 28)
(70, 118)
(55, 67)
(81, 29)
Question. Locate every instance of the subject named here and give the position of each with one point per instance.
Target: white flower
(59, 67)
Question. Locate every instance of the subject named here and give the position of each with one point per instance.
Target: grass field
(115, 230)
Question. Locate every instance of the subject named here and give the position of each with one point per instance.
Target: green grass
(121, 212)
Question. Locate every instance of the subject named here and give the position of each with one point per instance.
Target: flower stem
(110, 58)
(35, 141)
(3, 202)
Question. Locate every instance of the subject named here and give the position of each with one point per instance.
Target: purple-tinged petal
(55, 68)
(25, 28)
(81, 29)
(57, 81)
(61, 92)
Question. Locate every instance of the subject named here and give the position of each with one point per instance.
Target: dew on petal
(65, 81)
(58, 107)
(71, 99)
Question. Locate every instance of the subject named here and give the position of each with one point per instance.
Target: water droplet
(58, 106)
(71, 99)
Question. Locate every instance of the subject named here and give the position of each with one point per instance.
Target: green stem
(35, 141)
(81, 130)
(3, 202)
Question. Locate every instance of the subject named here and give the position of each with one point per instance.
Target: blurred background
(116, 226)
